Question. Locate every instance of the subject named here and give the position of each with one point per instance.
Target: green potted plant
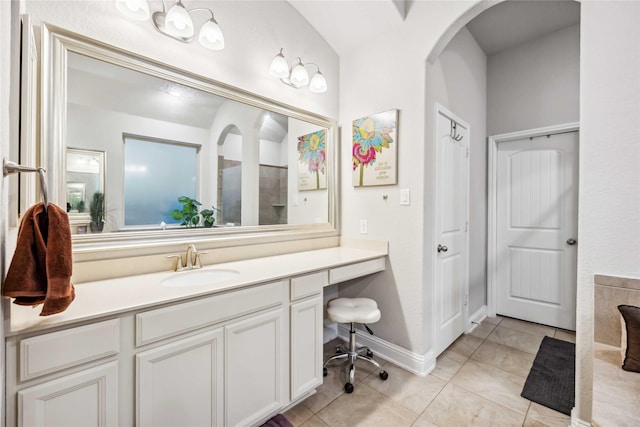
(96, 210)
(190, 215)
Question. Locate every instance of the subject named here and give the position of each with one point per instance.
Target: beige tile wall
(611, 291)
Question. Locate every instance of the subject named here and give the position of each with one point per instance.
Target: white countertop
(109, 297)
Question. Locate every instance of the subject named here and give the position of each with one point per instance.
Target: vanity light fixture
(297, 76)
(176, 22)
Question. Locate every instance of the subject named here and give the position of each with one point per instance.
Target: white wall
(254, 33)
(609, 204)
(458, 81)
(389, 72)
(9, 26)
(535, 84)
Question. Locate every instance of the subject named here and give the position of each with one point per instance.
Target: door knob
(442, 248)
(571, 242)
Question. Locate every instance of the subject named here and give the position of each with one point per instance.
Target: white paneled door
(536, 226)
(451, 248)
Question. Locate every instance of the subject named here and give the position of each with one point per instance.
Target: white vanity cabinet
(181, 383)
(232, 357)
(256, 365)
(230, 374)
(64, 378)
(86, 398)
(306, 313)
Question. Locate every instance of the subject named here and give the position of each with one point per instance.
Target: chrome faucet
(192, 259)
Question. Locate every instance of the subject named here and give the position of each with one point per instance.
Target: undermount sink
(199, 277)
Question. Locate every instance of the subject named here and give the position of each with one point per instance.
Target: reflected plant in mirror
(190, 214)
(96, 210)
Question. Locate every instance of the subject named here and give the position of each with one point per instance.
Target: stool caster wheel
(324, 372)
(369, 353)
(384, 375)
(348, 387)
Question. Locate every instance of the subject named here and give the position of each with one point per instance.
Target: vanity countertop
(113, 296)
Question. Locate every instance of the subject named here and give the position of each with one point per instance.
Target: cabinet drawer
(309, 284)
(177, 319)
(348, 272)
(59, 350)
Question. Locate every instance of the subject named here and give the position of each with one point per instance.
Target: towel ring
(9, 168)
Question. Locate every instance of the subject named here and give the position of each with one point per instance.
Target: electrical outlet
(364, 227)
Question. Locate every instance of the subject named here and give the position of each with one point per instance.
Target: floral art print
(312, 150)
(374, 150)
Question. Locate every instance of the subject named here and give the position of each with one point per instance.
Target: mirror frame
(56, 43)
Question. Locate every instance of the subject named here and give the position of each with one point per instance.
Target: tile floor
(616, 393)
(477, 382)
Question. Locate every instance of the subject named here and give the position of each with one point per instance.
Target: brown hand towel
(40, 271)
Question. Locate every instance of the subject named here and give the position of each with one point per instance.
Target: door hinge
(466, 299)
(467, 155)
(466, 226)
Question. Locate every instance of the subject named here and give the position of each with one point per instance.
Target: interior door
(451, 260)
(537, 207)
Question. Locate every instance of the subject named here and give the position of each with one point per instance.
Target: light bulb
(279, 67)
(299, 76)
(211, 36)
(134, 9)
(178, 22)
(318, 83)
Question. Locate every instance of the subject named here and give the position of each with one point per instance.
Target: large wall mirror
(143, 144)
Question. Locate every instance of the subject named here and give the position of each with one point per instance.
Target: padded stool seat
(352, 311)
(358, 310)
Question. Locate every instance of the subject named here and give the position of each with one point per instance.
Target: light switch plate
(364, 229)
(405, 197)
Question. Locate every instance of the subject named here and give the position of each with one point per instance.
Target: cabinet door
(84, 399)
(306, 346)
(255, 368)
(180, 384)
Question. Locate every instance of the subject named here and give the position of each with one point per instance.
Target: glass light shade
(137, 10)
(211, 36)
(299, 76)
(178, 22)
(279, 67)
(318, 83)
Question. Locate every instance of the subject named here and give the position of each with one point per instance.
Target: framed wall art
(312, 161)
(375, 149)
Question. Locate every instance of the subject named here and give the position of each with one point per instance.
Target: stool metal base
(353, 353)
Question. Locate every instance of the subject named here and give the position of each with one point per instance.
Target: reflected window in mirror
(85, 170)
(156, 174)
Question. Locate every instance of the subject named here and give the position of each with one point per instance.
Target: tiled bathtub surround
(477, 382)
(610, 292)
(616, 393)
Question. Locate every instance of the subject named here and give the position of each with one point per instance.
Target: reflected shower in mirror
(166, 140)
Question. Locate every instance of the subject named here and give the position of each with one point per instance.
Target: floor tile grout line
(446, 381)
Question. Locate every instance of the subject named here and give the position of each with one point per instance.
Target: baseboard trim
(577, 422)
(476, 318)
(418, 364)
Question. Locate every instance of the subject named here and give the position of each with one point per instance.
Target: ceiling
(122, 90)
(512, 23)
(348, 24)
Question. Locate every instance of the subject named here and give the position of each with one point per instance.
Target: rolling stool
(353, 310)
